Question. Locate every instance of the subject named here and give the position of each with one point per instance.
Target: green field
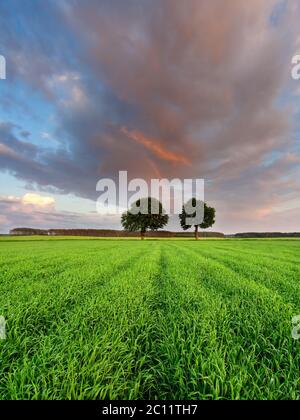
(155, 319)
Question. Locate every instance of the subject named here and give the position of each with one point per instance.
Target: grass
(171, 319)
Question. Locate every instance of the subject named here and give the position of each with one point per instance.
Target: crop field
(154, 319)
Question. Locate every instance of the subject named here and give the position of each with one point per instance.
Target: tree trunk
(196, 233)
(142, 235)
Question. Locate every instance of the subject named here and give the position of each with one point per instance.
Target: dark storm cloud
(20, 147)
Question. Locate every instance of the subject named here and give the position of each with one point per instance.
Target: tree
(208, 217)
(152, 216)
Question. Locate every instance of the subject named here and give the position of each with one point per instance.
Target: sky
(161, 89)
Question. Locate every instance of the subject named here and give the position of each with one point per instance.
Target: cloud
(36, 211)
(29, 202)
(39, 201)
(68, 88)
(7, 151)
(173, 88)
(155, 146)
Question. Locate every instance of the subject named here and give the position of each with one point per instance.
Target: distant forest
(109, 233)
(267, 235)
(105, 233)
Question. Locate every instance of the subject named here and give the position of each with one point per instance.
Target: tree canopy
(209, 214)
(145, 214)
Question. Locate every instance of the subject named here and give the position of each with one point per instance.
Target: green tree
(208, 217)
(137, 221)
